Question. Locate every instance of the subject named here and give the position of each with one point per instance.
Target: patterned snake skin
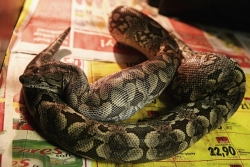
(207, 88)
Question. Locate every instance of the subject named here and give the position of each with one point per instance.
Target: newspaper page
(90, 46)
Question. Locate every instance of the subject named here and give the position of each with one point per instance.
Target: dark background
(230, 14)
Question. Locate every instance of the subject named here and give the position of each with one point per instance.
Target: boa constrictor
(207, 87)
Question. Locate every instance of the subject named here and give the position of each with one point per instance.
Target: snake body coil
(207, 87)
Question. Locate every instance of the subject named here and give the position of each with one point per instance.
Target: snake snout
(21, 79)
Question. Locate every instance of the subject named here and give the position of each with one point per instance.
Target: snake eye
(35, 70)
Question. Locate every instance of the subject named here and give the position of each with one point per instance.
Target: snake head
(45, 77)
(54, 76)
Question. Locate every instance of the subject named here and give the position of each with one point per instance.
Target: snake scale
(207, 88)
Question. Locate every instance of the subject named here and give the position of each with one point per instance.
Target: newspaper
(90, 46)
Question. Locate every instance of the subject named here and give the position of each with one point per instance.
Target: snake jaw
(39, 83)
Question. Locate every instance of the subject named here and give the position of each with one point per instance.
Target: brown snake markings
(207, 87)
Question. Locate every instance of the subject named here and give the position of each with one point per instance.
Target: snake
(81, 118)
